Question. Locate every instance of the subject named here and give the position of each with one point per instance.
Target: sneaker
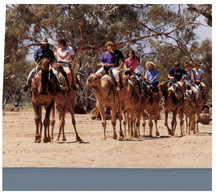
(25, 87)
(117, 88)
(62, 87)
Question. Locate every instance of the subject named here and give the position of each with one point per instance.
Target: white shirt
(139, 70)
(63, 53)
(71, 50)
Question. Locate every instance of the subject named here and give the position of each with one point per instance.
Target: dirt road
(19, 149)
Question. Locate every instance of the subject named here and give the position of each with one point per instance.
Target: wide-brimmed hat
(44, 41)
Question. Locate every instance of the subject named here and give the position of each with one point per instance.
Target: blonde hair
(149, 64)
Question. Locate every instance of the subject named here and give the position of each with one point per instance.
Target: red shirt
(132, 64)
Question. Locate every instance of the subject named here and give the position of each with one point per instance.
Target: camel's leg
(125, 122)
(129, 123)
(113, 121)
(46, 122)
(190, 125)
(187, 125)
(166, 121)
(78, 139)
(52, 121)
(137, 130)
(37, 120)
(181, 118)
(132, 123)
(40, 122)
(196, 120)
(143, 122)
(150, 125)
(60, 118)
(174, 122)
(155, 120)
(62, 123)
(103, 116)
(121, 135)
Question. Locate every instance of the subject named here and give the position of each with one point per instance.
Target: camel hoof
(64, 139)
(37, 141)
(103, 138)
(157, 134)
(57, 139)
(121, 137)
(114, 137)
(78, 139)
(45, 140)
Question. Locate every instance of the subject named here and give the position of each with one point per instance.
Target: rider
(108, 62)
(200, 76)
(190, 79)
(139, 72)
(43, 52)
(176, 74)
(131, 62)
(151, 75)
(63, 54)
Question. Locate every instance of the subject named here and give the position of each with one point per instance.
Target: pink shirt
(132, 64)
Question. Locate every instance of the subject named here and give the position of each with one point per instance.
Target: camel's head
(163, 86)
(94, 80)
(125, 79)
(45, 64)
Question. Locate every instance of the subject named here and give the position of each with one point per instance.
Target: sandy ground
(19, 149)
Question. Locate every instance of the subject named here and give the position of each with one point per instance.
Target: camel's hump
(109, 78)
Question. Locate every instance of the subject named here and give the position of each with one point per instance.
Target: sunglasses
(186, 66)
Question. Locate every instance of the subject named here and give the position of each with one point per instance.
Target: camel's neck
(103, 91)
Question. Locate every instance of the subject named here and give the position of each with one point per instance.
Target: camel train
(123, 88)
(128, 102)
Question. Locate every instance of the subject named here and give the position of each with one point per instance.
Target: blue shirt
(109, 58)
(40, 54)
(152, 76)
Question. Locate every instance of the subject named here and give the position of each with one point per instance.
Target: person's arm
(35, 63)
(170, 74)
(155, 77)
(170, 77)
(60, 55)
(125, 65)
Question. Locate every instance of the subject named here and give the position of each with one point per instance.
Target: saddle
(108, 71)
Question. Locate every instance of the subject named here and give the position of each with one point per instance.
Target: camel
(198, 108)
(42, 92)
(134, 106)
(174, 102)
(107, 95)
(65, 102)
(153, 109)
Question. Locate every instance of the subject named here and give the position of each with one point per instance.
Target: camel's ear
(99, 76)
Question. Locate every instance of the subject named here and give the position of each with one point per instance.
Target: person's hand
(54, 49)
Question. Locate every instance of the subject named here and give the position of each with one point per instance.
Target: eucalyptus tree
(87, 27)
